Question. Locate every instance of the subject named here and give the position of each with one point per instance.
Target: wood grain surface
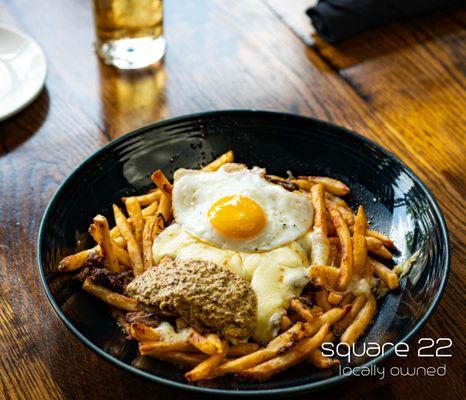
(401, 85)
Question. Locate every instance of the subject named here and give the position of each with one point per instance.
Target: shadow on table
(19, 128)
(442, 26)
(131, 99)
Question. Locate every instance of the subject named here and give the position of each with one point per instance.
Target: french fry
(121, 255)
(163, 214)
(242, 349)
(346, 265)
(135, 217)
(178, 358)
(303, 184)
(147, 241)
(322, 362)
(334, 298)
(162, 183)
(301, 309)
(145, 199)
(334, 186)
(330, 317)
(279, 363)
(276, 346)
(359, 241)
(360, 323)
(101, 234)
(144, 333)
(382, 252)
(324, 275)
(322, 299)
(225, 158)
(356, 305)
(114, 299)
(320, 212)
(319, 360)
(75, 261)
(160, 346)
(384, 238)
(205, 368)
(387, 275)
(285, 323)
(150, 209)
(134, 250)
(208, 344)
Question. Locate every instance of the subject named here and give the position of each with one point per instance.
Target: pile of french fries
(325, 310)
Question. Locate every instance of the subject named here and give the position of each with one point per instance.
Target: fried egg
(236, 208)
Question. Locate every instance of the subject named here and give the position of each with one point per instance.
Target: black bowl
(397, 203)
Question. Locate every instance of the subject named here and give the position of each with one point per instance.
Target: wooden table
(402, 85)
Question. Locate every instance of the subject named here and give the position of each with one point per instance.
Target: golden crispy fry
(334, 298)
(285, 323)
(356, 305)
(204, 369)
(159, 346)
(330, 317)
(114, 299)
(150, 209)
(227, 157)
(322, 362)
(347, 299)
(324, 275)
(384, 238)
(134, 250)
(147, 240)
(359, 325)
(208, 344)
(101, 234)
(320, 212)
(322, 298)
(387, 275)
(144, 333)
(382, 252)
(178, 358)
(359, 241)
(303, 184)
(278, 345)
(122, 255)
(299, 353)
(242, 349)
(163, 214)
(334, 186)
(162, 183)
(302, 310)
(373, 243)
(75, 261)
(346, 265)
(145, 199)
(135, 217)
(319, 360)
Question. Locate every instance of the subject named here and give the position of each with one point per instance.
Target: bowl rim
(307, 387)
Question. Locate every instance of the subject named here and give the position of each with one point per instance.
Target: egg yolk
(237, 217)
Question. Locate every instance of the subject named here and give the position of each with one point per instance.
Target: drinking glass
(129, 32)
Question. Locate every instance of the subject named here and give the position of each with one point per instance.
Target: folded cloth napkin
(335, 20)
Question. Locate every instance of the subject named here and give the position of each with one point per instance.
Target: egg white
(289, 215)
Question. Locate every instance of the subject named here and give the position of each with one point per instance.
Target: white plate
(22, 71)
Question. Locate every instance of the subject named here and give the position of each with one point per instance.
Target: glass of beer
(129, 32)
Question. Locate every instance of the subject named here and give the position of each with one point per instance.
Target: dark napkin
(335, 20)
